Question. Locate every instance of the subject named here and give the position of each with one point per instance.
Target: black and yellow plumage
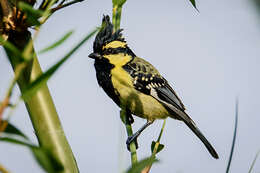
(134, 84)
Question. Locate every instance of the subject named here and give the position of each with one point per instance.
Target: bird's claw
(129, 140)
(130, 118)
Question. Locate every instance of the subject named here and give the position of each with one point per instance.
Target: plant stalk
(41, 108)
(129, 130)
(116, 18)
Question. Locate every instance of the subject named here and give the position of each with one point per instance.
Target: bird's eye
(109, 50)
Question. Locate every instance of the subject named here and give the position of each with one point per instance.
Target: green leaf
(32, 14)
(43, 78)
(138, 167)
(57, 43)
(16, 141)
(193, 2)
(32, 21)
(11, 129)
(234, 138)
(29, 9)
(158, 149)
(45, 159)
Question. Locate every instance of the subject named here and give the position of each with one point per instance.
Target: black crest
(106, 34)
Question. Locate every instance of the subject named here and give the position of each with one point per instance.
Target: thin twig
(60, 6)
(62, 2)
(42, 5)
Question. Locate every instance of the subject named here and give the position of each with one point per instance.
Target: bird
(135, 85)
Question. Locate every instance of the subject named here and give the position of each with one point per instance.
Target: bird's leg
(129, 117)
(134, 137)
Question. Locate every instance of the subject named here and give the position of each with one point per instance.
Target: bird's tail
(181, 115)
(188, 121)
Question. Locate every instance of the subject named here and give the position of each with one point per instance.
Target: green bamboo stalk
(41, 108)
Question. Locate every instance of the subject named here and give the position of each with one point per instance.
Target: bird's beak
(95, 56)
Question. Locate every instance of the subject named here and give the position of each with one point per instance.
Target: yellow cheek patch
(118, 59)
(115, 44)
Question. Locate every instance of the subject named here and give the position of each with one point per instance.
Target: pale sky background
(209, 58)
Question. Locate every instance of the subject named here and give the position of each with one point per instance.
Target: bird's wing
(148, 80)
(166, 93)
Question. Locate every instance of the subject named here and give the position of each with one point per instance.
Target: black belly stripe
(103, 74)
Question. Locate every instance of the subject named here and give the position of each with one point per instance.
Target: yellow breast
(140, 104)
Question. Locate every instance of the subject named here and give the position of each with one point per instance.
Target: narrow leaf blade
(234, 138)
(32, 14)
(11, 129)
(44, 158)
(57, 43)
(43, 78)
(15, 141)
(193, 2)
(253, 163)
(29, 9)
(138, 167)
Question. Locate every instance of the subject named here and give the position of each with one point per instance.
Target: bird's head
(110, 45)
